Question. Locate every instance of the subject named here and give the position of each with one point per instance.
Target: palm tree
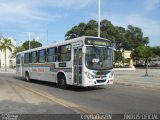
(4, 45)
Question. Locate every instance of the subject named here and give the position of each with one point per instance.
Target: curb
(124, 68)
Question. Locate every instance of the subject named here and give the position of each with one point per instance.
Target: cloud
(151, 4)
(29, 10)
(20, 12)
(73, 4)
(149, 26)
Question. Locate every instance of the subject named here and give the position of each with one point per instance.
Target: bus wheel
(62, 82)
(27, 77)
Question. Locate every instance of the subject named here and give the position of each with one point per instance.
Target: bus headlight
(111, 74)
(89, 75)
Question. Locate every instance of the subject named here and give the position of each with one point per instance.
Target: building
(10, 59)
(127, 60)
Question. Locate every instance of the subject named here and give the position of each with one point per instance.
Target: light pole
(29, 40)
(99, 17)
(29, 35)
(47, 37)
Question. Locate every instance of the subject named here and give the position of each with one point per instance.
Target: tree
(76, 31)
(156, 50)
(25, 46)
(18, 49)
(135, 38)
(4, 45)
(121, 38)
(145, 52)
(33, 44)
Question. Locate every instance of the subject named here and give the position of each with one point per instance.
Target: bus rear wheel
(62, 82)
(27, 78)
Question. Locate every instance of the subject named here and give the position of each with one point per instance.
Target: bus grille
(101, 81)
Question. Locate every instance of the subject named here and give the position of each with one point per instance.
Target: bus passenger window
(64, 53)
(18, 57)
(51, 54)
(41, 56)
(34, 57)
(27, 58)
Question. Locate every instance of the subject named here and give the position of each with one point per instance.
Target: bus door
(77, 65)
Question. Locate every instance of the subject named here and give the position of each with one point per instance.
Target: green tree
(25, 46)
(135, 38)
(76, 31)
(156, 50)
(121, 38)
(145, 52)
(18, 49)
(107, 30)
(5, 44)
(33, 44)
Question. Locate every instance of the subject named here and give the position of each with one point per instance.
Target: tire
(62, 82)
(27, 78)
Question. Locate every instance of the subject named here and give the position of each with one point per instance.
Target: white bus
(83, 61)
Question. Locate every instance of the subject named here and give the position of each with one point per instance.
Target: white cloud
(152, 4)
(149, 26)
(13, 12)
(74, 4)
(28, 10)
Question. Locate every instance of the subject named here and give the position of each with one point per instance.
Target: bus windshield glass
(98, 58)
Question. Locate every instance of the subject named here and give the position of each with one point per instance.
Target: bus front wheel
(62, 82)
(27, 77)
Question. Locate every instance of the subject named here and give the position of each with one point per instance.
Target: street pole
(29, 40)
(99, 17)
(47, 37)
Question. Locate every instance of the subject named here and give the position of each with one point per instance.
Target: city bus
(83, 61)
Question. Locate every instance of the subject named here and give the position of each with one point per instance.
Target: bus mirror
(84, 49)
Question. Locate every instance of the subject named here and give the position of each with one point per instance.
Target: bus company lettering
(34, 70)
(38, 70)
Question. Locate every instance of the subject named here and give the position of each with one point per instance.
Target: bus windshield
(98, 58)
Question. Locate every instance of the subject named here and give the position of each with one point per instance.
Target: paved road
(15, 99)
(107, 99)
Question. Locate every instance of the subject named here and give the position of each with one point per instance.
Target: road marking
(74, 107)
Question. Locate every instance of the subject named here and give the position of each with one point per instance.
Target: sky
(18, 18)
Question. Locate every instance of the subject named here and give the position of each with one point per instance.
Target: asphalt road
(43, 97)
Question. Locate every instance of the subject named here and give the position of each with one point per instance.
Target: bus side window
(64, 53)
(18, 59)
(27, 58)
(41, 56)
(34, 57)
(52, 54)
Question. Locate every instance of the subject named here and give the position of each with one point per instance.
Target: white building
(10, 59)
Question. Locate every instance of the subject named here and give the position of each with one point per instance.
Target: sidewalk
(137, 78)
(9, 70)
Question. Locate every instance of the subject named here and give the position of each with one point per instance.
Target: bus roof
(62, 43)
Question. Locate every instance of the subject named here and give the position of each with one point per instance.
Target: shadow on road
(69, 87)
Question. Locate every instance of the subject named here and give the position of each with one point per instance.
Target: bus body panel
(75, 70)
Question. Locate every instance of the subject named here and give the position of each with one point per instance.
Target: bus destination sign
(99, 42)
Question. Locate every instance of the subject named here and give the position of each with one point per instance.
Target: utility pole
(29, 40)
(47, 37)
(99, 17)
